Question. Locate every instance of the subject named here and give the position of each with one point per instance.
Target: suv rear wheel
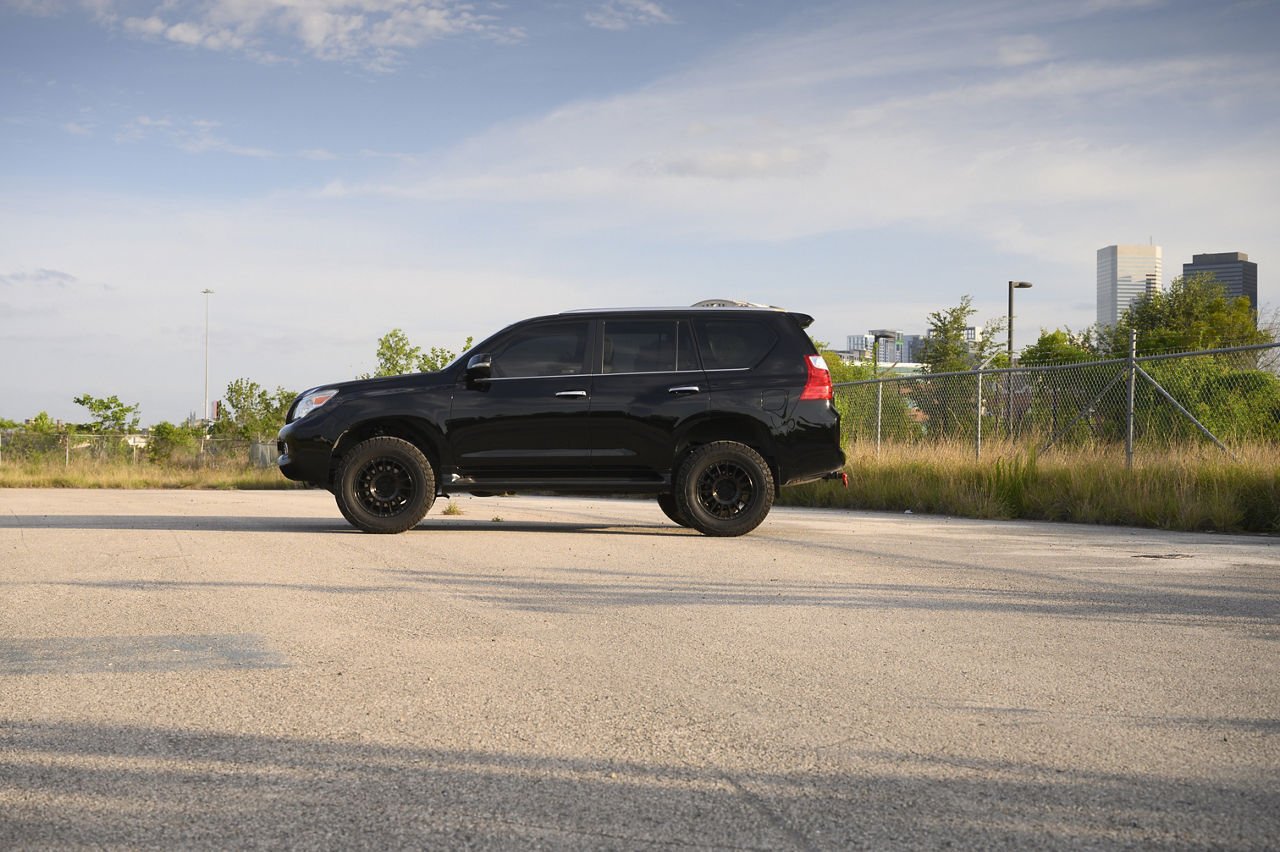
(385, 485)
(724, 488)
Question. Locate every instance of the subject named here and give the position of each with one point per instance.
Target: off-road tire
(724, 489)
(384, 485)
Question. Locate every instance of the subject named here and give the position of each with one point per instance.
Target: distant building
(892, 351)
(1125, 273)
(1232, 269)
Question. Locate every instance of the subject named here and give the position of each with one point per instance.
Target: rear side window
(734, 344)
(647, 346)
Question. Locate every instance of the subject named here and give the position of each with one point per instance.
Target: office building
(1232, 269)
(1125, 273)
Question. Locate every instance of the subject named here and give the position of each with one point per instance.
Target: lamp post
(1013, 285)
(204, 412)
(879, 334)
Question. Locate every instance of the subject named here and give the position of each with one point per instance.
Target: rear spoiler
(802, 320)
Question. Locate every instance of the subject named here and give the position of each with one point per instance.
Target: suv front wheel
(723, 489)
(385, 485)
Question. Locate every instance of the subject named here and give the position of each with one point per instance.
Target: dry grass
(1177, 489)
(91, 473)
(1198, 488)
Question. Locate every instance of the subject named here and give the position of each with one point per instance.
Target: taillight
(818, 383)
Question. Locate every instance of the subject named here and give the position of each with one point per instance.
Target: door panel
(531, 418)
(649, 384)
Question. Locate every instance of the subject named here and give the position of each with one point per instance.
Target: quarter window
(734, 344)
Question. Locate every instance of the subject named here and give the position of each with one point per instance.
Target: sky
(334, 169)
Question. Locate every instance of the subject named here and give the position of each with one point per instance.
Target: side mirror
(479, 367)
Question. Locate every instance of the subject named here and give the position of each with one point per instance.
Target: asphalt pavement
(239, 670)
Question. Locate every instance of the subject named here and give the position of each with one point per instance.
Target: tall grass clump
(1192, 488)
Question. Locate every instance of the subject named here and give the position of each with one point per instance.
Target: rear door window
(647, 346)
(734, 344)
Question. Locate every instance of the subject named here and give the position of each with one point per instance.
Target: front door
(529, 420)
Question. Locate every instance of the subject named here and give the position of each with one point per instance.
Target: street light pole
(879, 334)
(1013, 285)
(204, 413)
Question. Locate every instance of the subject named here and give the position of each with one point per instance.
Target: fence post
(879, 396)
(977, 441)
(1133, 373)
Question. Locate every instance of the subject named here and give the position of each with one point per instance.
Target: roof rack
(731, 303)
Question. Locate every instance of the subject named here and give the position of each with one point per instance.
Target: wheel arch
(728, 427)
(418, 432)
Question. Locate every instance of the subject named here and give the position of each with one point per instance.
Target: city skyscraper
(1124, 274)
(1232, 269)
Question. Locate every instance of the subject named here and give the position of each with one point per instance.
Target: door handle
(685, 389)
(576, 394)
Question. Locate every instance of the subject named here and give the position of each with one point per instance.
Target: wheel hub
(385, 487)
(724, 489)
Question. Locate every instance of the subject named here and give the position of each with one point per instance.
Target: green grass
(1191, 489)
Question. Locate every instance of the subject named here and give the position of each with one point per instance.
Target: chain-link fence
(68, 448)
(1226, 397)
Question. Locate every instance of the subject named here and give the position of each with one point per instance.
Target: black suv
(709, 409)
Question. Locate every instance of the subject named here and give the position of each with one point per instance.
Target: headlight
(312, 400)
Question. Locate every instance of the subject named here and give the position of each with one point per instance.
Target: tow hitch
(841, 475)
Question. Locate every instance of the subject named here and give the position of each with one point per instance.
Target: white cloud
(371, 32)
(625, 14)
(839, 129)
(1022, 50)
(192, 136)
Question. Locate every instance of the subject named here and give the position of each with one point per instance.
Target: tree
(250, 411)
(166, 438)
(110, 414)
(1058, 347)
(1192, 315)
(397, 356)
(945, 348)
(43, 424)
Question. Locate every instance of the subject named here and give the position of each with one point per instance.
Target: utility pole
(204, 412)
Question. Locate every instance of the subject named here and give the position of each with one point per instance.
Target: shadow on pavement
(69, 785)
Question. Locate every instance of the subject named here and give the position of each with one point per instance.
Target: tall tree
(397, 356)
(109, 414)
(946, 349)
(1193, 314)
(250, 411)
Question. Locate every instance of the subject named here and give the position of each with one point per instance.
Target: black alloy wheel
(724, 489)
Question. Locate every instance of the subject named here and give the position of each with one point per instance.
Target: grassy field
(1196, 489)
(1192, 489)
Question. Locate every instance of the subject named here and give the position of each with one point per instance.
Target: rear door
(648, 381)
